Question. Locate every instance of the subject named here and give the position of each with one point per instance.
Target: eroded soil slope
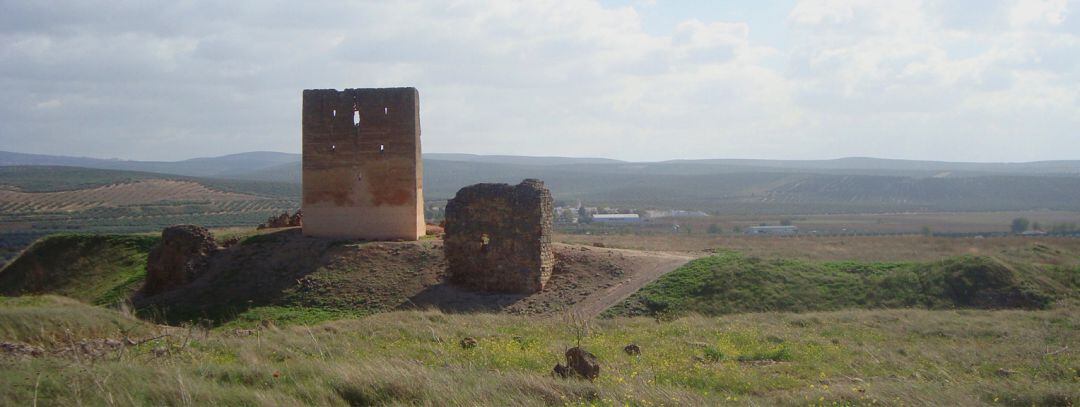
(285, 268)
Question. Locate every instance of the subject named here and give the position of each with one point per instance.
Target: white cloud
(915, 79)
(1032, 12)
(887, 74)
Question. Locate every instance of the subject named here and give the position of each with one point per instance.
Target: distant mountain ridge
(724, 186)
(217, 167)
(250, 165)
(519, 159)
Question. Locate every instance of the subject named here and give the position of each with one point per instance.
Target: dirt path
(646, 268)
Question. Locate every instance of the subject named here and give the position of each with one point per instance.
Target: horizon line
(117, 159)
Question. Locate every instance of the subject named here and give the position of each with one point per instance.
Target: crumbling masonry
(362, 171)
(180, 258)
(498, 237)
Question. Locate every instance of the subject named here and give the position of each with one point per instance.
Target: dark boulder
(584, 363)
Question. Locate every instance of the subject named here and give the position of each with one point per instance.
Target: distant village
(678, 220)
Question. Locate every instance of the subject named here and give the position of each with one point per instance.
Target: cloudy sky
(962, 80)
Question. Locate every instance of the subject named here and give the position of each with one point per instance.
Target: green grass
(290, 315)
(888, 357)
(731, 283)
(99, 269)
(53, 320)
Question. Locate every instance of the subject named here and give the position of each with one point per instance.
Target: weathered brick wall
(362, 171)
(498, 237)
(179, 258)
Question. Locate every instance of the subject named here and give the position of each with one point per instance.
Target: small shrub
(781, 354)
(713, 355)
(378, 393)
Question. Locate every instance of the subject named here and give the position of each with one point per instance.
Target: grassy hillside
(99, 269)
(903, 357)
(61, 351)
(285, 277)
(732, 283)
(54, 321)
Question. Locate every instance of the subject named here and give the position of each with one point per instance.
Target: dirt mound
(284, 268)
(982, 282)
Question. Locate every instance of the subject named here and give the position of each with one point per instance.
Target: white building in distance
(772, 230)
(616, 218)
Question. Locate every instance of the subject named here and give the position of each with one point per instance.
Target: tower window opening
(485, 242)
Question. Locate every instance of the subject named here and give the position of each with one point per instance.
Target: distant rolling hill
(36, 200)
(215, 167)
(760, 192)
(725, 186)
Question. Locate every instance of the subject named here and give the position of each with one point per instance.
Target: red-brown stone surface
(362, 169)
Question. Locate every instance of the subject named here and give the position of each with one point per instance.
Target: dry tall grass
(895, 357)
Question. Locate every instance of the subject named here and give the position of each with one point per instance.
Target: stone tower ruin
(362, 171)
(498, 237)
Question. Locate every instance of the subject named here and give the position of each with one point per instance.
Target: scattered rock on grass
(243, 332)
(468, 343)
(584, 363)
(20, 349)
(283, 220)
(561, 371)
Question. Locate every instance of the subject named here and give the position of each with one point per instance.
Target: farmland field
(37, 201)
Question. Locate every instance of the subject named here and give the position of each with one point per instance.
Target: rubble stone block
(498, 237)
(179, 258)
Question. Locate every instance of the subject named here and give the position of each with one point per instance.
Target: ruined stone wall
(178, 259)
(498, 237)
(362, 171)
